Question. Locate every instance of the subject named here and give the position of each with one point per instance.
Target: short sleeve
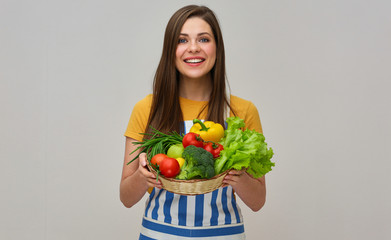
(252, 119)
(247, 111)
(138, 119)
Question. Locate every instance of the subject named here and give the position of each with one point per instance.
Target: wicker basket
(190, 187)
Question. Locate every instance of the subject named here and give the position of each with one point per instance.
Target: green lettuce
(244, 149)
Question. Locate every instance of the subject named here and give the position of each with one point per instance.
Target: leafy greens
(244, 149)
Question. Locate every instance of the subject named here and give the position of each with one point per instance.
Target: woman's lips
(194, 61)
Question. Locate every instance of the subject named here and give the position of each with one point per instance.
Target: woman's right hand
(149, 176)
(136, 179)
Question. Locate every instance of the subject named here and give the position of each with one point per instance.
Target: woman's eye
(182, 40)
(204, 40)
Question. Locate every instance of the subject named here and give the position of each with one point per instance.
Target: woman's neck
(195, 89)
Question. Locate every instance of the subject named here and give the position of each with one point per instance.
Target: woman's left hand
(235, 178)
(251, 190)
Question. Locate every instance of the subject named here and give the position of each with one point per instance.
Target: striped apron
(170, 216)
(214, 215)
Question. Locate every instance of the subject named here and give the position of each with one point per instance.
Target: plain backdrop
(318, 72)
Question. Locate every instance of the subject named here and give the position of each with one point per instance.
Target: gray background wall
(318, 71)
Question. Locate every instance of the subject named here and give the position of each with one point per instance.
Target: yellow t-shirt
(244, 109)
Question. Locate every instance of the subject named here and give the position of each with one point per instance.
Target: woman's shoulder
(246, 110)
(236, 99)
(241, 104)
(143, 106)
(146, 102)
(139, 118)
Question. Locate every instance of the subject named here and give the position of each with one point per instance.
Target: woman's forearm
(132, 189)
(134, 180)
(252, 191)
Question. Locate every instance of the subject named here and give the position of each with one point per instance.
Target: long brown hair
(166, 114)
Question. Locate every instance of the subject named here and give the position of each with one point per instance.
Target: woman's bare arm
(251, 190)
(136, 179)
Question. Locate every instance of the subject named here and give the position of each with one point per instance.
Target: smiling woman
(196, 51)
(190, 83)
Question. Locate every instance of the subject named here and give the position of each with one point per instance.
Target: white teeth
(194, 60)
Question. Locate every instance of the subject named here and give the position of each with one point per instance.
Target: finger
(145, 172)
(224, 185)
(236, 172)
(151, 179)
(229, 179)
(233, 178)
(227, 182)
(143, 159)
(154, 183)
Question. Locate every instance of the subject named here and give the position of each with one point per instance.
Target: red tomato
(158, 158)
(214, 148)
(192, 139)
(169, 167)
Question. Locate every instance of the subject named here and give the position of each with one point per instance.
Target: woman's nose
(194, 46)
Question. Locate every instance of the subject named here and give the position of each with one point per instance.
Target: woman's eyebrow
(199, 34)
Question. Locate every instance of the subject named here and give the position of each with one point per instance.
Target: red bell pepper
(192, 139)
(214, 148)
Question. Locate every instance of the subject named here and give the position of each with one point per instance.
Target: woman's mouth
(194, 61)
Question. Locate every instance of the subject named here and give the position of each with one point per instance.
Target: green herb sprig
(159, 142)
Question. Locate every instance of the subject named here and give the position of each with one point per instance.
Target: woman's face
(196, 50)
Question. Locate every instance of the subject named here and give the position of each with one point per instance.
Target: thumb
(142, 158)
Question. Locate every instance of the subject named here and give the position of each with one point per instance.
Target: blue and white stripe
(152, 230)
(211, 209)
(188, 124)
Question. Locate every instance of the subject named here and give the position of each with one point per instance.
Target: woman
(189, 83)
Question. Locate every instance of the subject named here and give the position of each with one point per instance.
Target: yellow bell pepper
(208, 131)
